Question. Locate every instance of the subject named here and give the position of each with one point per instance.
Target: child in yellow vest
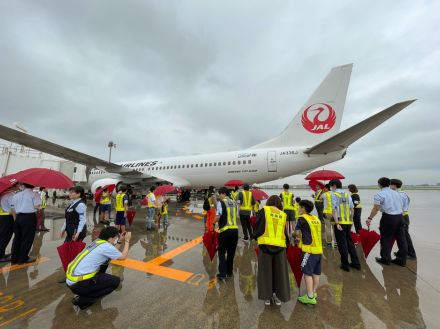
(308, 228)
(164, 213)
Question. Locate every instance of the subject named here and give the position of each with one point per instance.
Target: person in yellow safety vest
(234, 194)
(151, 208)
(272, 238)
(6, 222)
(319, 204)
(43, 196)
(209, 209)
(256, 207)
(328, 216)
(121, 207)
(396, 185)
(343, 217)
(164, 213)
(246, 201)
(228, 233)
(105, 207)
(296, 206)
(308, 228)
(357, 207)
(288, 207)
(86, 276)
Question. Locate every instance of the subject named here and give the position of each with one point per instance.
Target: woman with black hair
(272, 237)
(75, 227)
(357, 207)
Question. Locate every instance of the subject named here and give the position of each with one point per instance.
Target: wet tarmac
(169, 282)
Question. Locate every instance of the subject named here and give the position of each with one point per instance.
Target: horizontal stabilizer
(345, 138)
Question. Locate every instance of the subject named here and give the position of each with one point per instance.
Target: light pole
(110, 146)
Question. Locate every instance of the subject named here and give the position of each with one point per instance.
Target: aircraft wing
(348, 136)
(42, 145)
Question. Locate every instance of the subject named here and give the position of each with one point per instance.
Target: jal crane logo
(318, 118)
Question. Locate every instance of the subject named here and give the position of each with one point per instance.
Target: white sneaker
(277, 301)
(267, 302)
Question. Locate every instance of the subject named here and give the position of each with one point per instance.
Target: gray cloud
(194, 77)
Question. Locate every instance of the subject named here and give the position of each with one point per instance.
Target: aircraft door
(272, 161)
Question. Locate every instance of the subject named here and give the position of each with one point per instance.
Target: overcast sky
(167, 78)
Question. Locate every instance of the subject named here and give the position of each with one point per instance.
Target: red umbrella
(253, 221)
(315, 184)
(324, 175)
(368, 240)
(259, 194)
(6, 183)
(164, 189)
(110, 188)
(234, 183)
(294, 258)
(68, 251)
(210, 240)
(44, 177)
(356, 238)
(130, 216)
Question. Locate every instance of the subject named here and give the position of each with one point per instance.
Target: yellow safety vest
(318, 196)
(105, 198)
(247, 201)
(359, 205)
(4, 213)
(164, 209)
(329, 208)
(295, 209)
(43, 200)
(73, 264)
(274, 231)
(287, 201)
(232, 215)
(344, 208)
(150, 205)
(257, 206)
(234, 195)
(119, 204)
(315, 228)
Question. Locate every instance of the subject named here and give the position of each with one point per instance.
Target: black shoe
(221, 277)
(229, 275)
(345, 268)
(356, 266)
(398, 262)
(82, 306)
(412, 257)
(382, 261)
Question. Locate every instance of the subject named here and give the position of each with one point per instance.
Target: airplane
(311, 140)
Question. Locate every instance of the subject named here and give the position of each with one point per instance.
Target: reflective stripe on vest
(43, 201)
(232, 215)
(359, 205)
(315, 228)
(247, 201)
(256, 206)
(150, 205)
(119, 204)
(234, 195)
(105, 198)
(318, 196)
(164, 210)
(344, 208)
(4, 213)
(287, 200)
(274, 231)
(329, 208)
(73, 264)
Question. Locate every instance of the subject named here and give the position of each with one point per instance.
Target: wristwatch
(370, 218)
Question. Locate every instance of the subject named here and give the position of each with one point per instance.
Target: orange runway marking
(154, 266)
(199, 217)
(10, 268)
(22, 315)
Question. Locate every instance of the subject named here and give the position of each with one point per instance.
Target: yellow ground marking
(10, 268)
(154, 266)
(19, 316)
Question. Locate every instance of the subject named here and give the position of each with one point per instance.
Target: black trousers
(24, 233)
(100, 285)
(245, 220)
(71, 231)
(6, 230)
(345, 245)
(227, 241)
(390, 227)
(357, 219)
(411, 250)
(320, 210)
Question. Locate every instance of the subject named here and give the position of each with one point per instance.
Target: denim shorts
(106, 207)
(311, 264)
(120, 218)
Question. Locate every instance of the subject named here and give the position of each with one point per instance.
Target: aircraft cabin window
(249, 162)
(215, 164)
(178, 166)
(187, 166)
(197, 165)
(206, 165)
(224, 163)
(229, 163)
(239, 162)
(219, 163)
(233, 162)
(210, 164)
(192, 166)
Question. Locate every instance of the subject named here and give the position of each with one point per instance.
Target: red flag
(130, 216)
(68, 251)
(210, 240)
(368, 240)
(294, 258)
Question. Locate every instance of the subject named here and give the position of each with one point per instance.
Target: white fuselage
(200, 171)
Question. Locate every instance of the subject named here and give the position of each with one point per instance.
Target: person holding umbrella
(391, 225)
(6, 222)
(228, 233)
(246, 201)
(272, 238)
(75, 226)
(25, 205)
(343, 217)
